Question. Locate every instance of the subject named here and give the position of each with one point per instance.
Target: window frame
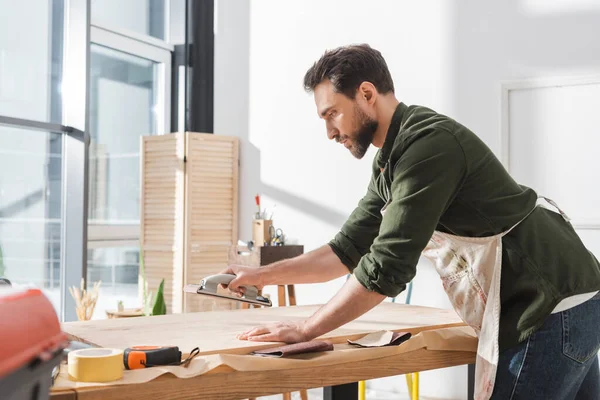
(160, 52)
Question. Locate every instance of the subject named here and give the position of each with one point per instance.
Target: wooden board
(214, 332)
(225, 384)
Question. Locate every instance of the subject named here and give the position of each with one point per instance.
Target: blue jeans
(559, 361)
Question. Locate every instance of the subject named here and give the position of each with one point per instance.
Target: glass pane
(141, 16)
(30, 209)
(117, 270)
(123, 98)
(31, 50)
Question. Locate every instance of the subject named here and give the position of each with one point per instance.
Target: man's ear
(367, 92)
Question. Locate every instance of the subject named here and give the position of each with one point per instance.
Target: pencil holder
(260, 231)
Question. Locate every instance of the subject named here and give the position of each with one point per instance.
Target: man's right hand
(244, 276)
(316, 266)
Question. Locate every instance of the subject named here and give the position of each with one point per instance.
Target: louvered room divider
(189, 208)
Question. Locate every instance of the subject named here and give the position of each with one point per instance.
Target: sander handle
(212, 282)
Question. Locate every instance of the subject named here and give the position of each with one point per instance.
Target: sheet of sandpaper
(382, 338)
(314, 346)
(450, 339)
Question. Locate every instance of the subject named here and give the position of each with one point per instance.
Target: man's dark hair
(349, 66)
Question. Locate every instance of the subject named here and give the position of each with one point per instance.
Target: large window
(144, 17)
(42, 145)
(31, 59)
(80, 83)
(130, 78)
(30, 209)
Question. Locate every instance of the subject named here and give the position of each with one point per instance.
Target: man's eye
(332, 114)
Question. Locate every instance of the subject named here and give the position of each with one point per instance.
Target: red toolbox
(31, 344)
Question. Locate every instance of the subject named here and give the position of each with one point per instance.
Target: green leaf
(160, 308)
(143, 273)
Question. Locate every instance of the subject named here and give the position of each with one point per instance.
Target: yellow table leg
(362, 390)
(415, 386)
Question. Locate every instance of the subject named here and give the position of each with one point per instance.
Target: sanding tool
(210, 286)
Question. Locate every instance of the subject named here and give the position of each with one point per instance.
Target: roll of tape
(95, 365)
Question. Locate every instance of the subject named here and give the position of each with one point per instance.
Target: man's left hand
(352, 301)
(288, 332)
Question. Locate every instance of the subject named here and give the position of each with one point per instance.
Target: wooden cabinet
(189, 211)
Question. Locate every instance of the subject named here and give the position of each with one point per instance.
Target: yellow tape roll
(95, 365)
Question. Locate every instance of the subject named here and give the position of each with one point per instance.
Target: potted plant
(158, 306)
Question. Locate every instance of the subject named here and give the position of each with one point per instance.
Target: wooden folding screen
(189, 206)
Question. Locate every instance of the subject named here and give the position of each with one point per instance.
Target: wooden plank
(172, 165)
(211, 179)
(201, 136)
(210, 142)
(210, 242)
(166, 185)
(160, 174)
(209, 219)
(225, 192)
(205, 265)
(159, 247)
(225, 205)
(205, 154)
(158, 225)
(213, 194)
(217, 204)
(217, 385)
(211, 207)
(225, 175)
(216, 259)
(215, 333)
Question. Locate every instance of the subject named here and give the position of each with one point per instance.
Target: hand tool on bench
(138, 357)
(209, 286)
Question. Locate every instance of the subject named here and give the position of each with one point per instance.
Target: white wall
(450, 56)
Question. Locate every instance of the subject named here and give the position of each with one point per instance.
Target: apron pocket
(466, 296)
(581, 336)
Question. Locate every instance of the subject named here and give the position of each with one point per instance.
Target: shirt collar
(390, 137)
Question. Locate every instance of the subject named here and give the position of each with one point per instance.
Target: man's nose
(332, 133)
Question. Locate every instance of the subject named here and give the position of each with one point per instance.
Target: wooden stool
(266, 255)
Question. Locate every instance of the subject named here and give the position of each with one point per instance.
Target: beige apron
(469, 268)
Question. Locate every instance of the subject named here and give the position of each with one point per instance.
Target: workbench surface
(214, 333)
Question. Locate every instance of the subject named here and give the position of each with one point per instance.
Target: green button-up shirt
(432, 173)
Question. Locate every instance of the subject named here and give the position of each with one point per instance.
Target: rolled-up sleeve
(426, 178)
(356, 236)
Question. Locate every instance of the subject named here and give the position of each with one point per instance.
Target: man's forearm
(319, 265)
(352, 301)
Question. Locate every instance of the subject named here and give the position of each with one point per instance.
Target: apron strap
(553, 204)
(549, 201)
(521, 220)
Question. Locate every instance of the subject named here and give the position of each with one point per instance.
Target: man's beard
(364, 135)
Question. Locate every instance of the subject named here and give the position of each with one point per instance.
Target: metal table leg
(471, 381)
(348, 391)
